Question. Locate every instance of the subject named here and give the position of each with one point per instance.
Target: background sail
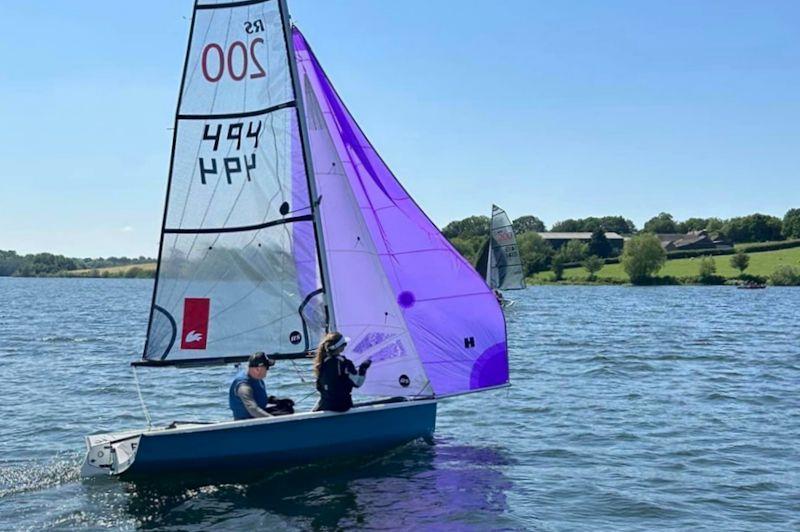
(238, 263)
(506, 267)
(454, 322)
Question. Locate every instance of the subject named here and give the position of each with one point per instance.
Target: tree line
(643, 257)
(470, 234)
(46, 264)
(752, 228)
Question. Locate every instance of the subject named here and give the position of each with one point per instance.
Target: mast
(489, 252)
(309, 165)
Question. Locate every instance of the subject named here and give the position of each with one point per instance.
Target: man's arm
(245, 393)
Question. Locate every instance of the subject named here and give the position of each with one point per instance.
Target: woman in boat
(336, 375)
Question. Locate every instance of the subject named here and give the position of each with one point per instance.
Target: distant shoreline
(145, 270)
(764, 260)
(657, 281)
(761, 269)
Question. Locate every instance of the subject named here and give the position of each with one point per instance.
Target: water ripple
(632, 409)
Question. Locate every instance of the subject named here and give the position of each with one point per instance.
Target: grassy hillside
(146, 269)
(761, 264)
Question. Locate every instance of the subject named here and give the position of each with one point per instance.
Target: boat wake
(32, 476)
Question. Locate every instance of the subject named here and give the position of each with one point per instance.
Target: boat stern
(109, 454)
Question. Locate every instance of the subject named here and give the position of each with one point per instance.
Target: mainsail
(238, 264)
(499, 262)
(280, 215)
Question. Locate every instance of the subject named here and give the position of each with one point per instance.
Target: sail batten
(247, 114)
(227, 4)
(203, 230)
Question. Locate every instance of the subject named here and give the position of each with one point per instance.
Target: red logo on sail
(195, 323)
(503, 236)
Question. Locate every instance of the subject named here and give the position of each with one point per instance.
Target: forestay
(238, 263)
(405, 296)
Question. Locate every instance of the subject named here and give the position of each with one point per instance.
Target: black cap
(258, 360)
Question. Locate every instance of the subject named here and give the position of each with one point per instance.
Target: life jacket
(259, 395)
(334, 384)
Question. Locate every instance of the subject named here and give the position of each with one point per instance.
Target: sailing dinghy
(281, 222)
(499, 262)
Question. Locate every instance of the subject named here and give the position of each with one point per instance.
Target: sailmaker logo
(195, 323)
(192, 337)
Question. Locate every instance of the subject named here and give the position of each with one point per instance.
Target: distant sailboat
(281, 222)
(499, 262)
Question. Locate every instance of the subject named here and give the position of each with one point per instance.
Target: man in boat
(248, 397)
(336, 375)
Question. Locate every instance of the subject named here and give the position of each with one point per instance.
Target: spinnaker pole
(309, 164)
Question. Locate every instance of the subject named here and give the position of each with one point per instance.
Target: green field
(112, 271)
(761, 264)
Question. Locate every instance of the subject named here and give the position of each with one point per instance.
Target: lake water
(631, 409)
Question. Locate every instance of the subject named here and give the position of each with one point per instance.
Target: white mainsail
(238, 263)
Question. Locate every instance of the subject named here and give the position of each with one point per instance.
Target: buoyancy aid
(259, 395)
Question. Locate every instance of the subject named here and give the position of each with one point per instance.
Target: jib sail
(404, 295)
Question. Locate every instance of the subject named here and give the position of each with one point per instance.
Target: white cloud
(127, 229)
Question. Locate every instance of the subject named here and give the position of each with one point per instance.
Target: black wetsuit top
(335, 385)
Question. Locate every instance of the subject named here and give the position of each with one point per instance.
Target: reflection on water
(406, 488)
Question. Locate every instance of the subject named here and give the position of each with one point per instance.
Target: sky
(556, 109)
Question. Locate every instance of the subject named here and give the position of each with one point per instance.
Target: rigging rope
(304, 381)
(307, 396)
(141, 399)
(299, 374)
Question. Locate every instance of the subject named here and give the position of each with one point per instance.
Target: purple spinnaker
(452, 318)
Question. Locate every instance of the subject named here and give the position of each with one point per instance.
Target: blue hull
(277, 442)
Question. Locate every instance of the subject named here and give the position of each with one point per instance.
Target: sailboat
(282, 222)
(499, 262)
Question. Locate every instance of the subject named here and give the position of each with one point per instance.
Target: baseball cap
(258, 360)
